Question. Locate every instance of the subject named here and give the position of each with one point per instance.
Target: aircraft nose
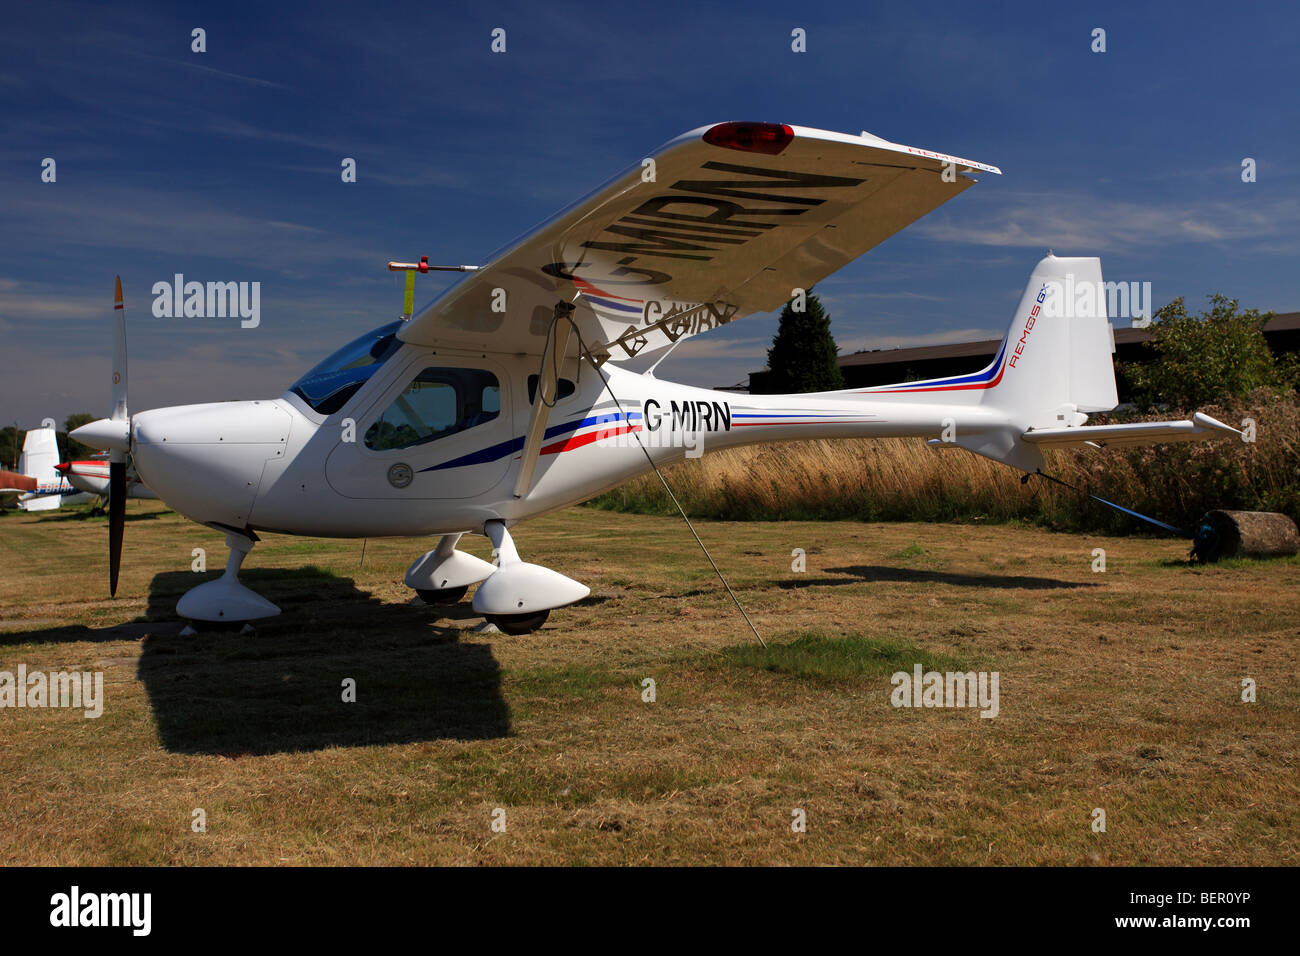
(206, 461)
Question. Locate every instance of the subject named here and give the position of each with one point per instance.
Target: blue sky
(225, 165)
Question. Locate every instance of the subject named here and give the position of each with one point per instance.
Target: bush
(1218, 356)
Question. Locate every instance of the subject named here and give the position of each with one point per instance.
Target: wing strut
(548, 384)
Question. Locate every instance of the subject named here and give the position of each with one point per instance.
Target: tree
(76, 450)
(1205, 359)
(803, 353)
(10, 443)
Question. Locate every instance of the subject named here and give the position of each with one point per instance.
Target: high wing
(1139, 433)
(722, 222)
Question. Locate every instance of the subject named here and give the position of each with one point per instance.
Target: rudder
(1056, 357)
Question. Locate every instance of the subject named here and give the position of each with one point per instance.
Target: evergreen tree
(803, 354)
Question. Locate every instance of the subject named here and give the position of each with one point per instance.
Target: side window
(564, 389)
(438, 402)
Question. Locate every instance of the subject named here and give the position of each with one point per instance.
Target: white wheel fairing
(224, 599)
(523, 588)
(445, 567)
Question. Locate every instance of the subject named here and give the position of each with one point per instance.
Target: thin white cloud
(182, 64)
(166, 222)
(1073, 220)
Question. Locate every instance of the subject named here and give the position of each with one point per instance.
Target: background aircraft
(43, 483)
(44, 488)
(92, 477)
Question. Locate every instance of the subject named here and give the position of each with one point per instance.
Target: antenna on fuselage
(411, 268)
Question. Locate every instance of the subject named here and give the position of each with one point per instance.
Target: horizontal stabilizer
(1200, 427)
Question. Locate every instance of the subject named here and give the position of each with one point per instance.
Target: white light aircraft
(504, 398)
(92, 475)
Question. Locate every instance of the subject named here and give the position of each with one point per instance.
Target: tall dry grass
(903, 479)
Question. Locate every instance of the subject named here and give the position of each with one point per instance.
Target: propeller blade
(117, 455)
(116, 520)
(120, 412)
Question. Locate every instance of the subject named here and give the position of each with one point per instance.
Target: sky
(225, 165)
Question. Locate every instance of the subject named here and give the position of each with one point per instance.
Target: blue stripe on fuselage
(501, 449)
(981, 376)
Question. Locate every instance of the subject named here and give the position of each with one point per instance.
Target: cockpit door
(441, 429)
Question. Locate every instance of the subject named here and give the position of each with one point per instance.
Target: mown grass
(1119, 690)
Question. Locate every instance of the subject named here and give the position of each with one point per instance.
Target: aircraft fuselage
(278, 465)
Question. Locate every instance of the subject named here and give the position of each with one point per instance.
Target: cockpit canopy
(328, 386)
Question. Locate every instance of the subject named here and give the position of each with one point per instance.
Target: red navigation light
(768, 138)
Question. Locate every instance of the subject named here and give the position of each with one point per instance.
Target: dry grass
(1118, 690)
(903, 479)
(867, 479)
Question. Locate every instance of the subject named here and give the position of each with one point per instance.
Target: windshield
(328, 386)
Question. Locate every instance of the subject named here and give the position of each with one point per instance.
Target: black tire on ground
(444, 596)
(518, 623)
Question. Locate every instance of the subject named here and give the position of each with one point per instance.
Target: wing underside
(720, 223)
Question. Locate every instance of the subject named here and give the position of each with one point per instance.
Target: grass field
(1118, 690)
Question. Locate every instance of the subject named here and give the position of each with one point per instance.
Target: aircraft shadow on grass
(281, 689)
(87, 514)
(858, 573)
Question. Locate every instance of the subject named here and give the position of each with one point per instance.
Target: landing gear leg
(226, 599)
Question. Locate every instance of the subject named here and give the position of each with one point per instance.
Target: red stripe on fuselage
(579, 441)
(938, 388)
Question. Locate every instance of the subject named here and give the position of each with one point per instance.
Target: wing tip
(968, 165)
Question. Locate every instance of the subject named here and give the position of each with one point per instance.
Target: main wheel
(444, 596)
(518, 623)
